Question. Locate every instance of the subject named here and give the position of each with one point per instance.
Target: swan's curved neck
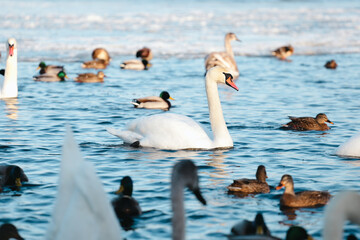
(177, 202)
(228, 47)
(9, 88)
(221, 135)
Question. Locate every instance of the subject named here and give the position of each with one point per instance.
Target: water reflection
(216, 160)
(12, 107)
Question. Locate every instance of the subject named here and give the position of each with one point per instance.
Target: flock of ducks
(164, 131)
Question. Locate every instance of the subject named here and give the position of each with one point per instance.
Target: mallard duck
(8, 231)
(97, 64)
(344, 206)
(154, 102)
(283, 52)
(176, 131)
(125, 205)
(136, 65)
(297, 233)
(256, 227)
(224, 59)
(331, 64)
(82, 209)
(9, 86)
(12, 175)
(184, 174)
(258, 185)
(101, 54)
(48, 77)
(90, 77)
(51, 69)
(308, 123)
(300, 199)
(144, 53)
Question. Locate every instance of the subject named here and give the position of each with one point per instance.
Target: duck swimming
(175, 131)
(258, 185)
(154, 102)
(300, 199)
(9, 86)
(90, 77)
(308, 123)
(48, 77)
(51, 69)
(283, 52)
(331, 64)
(125, 206)
(136, 65)
(12, 175)
(224, 59)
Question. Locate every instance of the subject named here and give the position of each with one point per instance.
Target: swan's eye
(227, 76)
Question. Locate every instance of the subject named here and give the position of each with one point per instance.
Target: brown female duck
(331, 64)
(300, 199)
(90, 77)
(258, 185)
(308, 123)
(283, 52)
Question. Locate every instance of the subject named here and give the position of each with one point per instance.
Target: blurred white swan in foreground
(350, 148)
(184, 174)
(82, 210)
(344, 206)
(175, 131)
(9, 87)
(224, 59)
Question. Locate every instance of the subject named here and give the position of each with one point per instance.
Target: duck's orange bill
(11, 50)
(230, 82)
(279, 187)
(171, 98)
(330, 122)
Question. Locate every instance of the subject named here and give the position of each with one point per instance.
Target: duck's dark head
(126, 186)
(261, 175)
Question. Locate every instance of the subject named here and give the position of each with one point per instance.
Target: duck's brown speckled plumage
(308, 123)
(300, 199)
(90, 77)
(97, 64)
(283, 52)
(331, 64)
(258, 185)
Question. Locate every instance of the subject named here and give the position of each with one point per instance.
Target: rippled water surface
(180, 34)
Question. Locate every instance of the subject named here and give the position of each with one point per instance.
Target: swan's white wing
(167, 131)
(82, 210)
(350, 147)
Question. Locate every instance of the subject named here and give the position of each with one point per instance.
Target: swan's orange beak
(11, 50)
(230, 82)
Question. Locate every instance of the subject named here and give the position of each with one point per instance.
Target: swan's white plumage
(344, 206)
(350, 148)
(174, 131)
(9, 87)
(82, 210)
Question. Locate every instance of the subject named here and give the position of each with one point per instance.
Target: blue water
(180, 34)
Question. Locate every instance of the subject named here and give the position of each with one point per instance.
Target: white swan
(344, 206)
(174, 131)
(184, 174)
(225, 59)
(9, 87)
(350, 148)
(82, 210)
